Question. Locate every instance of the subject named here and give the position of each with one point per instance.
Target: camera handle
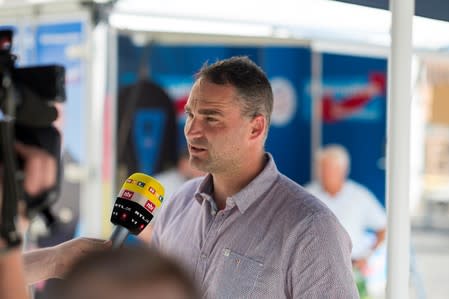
(8, 231)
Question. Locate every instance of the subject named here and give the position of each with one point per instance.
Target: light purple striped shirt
(272, 240)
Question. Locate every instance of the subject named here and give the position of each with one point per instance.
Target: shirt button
(203, 256)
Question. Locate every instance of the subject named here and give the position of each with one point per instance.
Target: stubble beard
(210, 164)
(204, 164)
(214, 164)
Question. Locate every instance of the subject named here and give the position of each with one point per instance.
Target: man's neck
(228, 184)
(334, 190)
(333, 193)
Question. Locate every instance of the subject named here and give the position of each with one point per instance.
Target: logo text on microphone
(127, 194)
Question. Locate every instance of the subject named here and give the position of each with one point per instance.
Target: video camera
(27, 111)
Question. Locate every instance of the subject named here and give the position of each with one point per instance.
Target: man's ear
(258, 126)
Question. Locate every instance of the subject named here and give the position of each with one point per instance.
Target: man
(245, 230)
(354, 205)
(130, 272)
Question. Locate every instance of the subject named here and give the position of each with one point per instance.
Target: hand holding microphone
(140, 196)
(137, 201)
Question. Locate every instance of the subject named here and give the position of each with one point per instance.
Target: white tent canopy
(304, 19)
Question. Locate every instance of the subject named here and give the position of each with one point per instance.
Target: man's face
(217, 134)
(332, 174)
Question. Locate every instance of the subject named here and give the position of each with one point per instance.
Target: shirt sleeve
(321, 267)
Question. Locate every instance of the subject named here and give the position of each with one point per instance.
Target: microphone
(140, 196)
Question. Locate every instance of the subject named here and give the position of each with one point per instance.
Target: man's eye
(211, 119)
(188, 114)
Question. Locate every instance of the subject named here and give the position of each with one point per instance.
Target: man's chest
(228, 254)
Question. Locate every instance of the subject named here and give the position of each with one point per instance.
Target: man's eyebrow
(210, 112)
(205, 111)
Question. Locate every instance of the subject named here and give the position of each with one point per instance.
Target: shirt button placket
(202, 265)
(213, 232)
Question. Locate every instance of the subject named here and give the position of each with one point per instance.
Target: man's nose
(193, 127)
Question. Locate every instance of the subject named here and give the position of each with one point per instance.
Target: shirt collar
(260, 185)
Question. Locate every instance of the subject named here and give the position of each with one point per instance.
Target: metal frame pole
(398, 149)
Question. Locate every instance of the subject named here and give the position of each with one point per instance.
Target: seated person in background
(354, 205)
(129, 272)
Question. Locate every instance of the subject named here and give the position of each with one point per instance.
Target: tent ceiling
(318, 20)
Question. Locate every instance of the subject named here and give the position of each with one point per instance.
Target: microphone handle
(118, 236)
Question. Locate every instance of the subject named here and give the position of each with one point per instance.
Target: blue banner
(357, 85)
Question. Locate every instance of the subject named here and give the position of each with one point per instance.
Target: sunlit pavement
(430, 239)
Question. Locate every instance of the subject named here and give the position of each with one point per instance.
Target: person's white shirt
(358, 211)
(171, 180)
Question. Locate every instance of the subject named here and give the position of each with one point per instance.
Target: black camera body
(27, 97)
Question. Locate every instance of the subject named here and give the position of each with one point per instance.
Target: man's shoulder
(293, 190)
(355, 185)
(303, 213)
(298, 200)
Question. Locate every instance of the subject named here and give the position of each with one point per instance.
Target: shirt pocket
(236, 275)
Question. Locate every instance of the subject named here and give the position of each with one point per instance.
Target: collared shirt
(358, 211)
(272, 240)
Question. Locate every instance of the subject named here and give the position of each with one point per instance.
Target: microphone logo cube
(127, 194)
(141, 184)
(150, 206)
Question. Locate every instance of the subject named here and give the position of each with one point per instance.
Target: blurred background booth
(130, 66)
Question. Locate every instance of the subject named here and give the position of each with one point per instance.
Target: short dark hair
(124, 269)
(252, 85)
